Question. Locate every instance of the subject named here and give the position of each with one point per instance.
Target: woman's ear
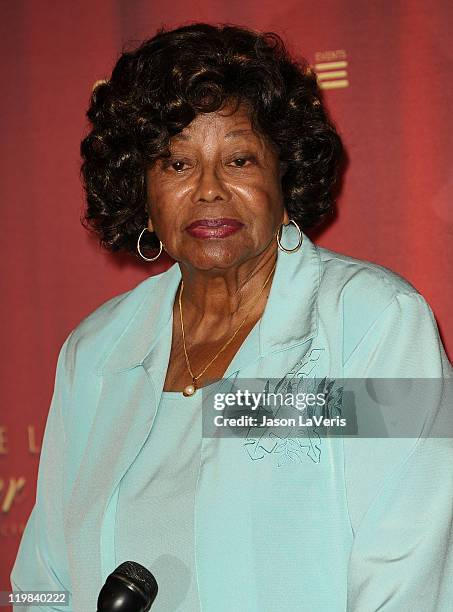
(285, 217)
(150, 225)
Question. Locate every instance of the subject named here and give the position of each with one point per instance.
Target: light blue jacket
(343, 524)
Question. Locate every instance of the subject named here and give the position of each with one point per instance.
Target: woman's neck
(216, 301)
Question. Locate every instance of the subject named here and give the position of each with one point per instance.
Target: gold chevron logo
(331, 69)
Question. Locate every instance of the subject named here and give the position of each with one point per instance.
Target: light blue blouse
(333, 525)
(155, 512)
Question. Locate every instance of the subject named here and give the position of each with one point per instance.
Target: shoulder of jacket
(95, 332)
(357, 293)
(360, 283)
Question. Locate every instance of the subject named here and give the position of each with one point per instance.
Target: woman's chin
(212, 264)
(214, 257)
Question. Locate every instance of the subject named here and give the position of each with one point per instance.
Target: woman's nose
(210, 187)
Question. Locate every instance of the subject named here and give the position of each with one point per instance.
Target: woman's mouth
(213, 228)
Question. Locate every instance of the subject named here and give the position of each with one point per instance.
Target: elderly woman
(212, 144)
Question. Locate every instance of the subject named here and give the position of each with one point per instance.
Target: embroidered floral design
(307, 440)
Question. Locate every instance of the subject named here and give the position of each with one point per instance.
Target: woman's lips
(213, 228)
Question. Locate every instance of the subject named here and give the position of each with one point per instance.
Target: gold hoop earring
(141, 254)
(296, 248)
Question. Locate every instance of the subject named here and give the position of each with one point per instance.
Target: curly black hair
(160, 87)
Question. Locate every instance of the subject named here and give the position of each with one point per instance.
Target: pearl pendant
(190, 389)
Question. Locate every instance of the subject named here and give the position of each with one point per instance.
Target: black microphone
(129, 588)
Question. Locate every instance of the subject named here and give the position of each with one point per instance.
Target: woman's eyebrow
(234, 133)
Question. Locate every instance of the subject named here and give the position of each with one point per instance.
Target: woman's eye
(240, 162)
(178, 165)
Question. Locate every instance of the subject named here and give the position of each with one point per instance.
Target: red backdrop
(385, 67)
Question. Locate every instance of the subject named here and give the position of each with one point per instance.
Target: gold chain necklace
(191, 388)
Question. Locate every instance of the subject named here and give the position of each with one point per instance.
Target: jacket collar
(290, 317)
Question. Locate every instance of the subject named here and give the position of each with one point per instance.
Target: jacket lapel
(131, 377)
(289, 319)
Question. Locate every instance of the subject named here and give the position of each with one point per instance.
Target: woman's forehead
(227, 126)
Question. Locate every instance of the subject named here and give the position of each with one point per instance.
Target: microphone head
(129, 588)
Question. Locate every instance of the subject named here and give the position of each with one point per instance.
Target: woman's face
(217, 201)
